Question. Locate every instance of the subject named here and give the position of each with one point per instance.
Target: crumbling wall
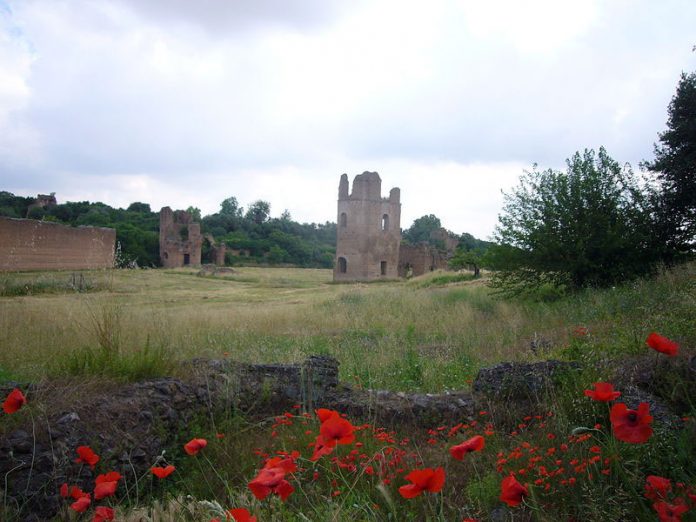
(368, 232)
(28, 244)
(415, 260)
(180, 239)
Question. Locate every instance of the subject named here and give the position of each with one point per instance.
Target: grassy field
(423, 334)
(431, 333)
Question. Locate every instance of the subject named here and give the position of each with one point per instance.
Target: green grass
(428, 334)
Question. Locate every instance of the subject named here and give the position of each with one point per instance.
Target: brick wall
(28, 244)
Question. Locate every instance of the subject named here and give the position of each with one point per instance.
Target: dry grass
(400, 335)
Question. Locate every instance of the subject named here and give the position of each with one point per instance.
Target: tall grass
(427, 334)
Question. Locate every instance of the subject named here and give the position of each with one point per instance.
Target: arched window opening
(342, 265)
(344, 220)
(383, 268)
(385, 222)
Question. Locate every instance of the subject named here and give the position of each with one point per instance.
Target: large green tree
(675, 166)
(588, 226)
(421, 229)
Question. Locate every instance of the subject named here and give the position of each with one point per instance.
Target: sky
(185, 103)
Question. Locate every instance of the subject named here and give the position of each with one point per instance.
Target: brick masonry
(28, 244)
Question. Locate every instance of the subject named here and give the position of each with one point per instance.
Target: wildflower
(656, 488)
(337, 430)
(512, 492)
(14, 401)
(160, 472)
(603, 392)
(475, 443)
(670, 512)
(632, 426)
(426, 479)
(271, 479)
(241, 515)
(193, 446)
(85, 455)
(103, 514)
(106, 484)
(662, 344)
(81, 504)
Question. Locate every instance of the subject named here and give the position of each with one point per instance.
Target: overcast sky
(182, 102)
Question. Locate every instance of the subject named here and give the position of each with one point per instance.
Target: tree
(259, 211)
(230, 208)
(195, 213)
(588, 226)
(421, 229)
(675, 165)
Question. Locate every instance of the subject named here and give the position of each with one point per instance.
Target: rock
(520, 381)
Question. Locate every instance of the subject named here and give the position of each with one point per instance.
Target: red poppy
(662, 344)
(241, 515)
(632, 426)
(426, 479)
(193, 446)
(81, 504)
(106, 485)
(670, 512)
(85, 455)
(103, 514)
(337, 430)
(64, 490)
(161, 473)
(271, 479)
(15, 400)
(321, 448)
(656, 488)
(475, 443)
(603, 392)
(325, 414)
(512, 492)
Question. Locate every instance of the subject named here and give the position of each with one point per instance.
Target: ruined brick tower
(180, 239)
(368, 230)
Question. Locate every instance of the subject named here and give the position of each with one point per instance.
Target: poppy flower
(475, 443)
(426, 479)
(241, 515)
(603, 392)
(160, 472)
(337, 430)
(14, 401)
(271, 479)
(193, 446)
(85, 455)
(106, 485)
(670, 512)
(324, 414)
(81, 504)
(321, 448)
(662, 344)
(103, 514)
(632, 426)
(656, 488)
(512, 492)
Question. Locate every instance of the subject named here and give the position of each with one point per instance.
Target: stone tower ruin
(368, 230)
(180, 239)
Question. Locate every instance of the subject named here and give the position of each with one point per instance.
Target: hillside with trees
(253, 237)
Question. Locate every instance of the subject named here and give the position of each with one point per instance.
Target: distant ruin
(180, 239)
(368, 236)
(368, 232)
(29, 244)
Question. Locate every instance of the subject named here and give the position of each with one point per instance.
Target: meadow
(428, 334)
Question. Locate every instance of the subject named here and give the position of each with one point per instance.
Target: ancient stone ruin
(368, 230)
(180, 239)
(368, 236)
(29, 244)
